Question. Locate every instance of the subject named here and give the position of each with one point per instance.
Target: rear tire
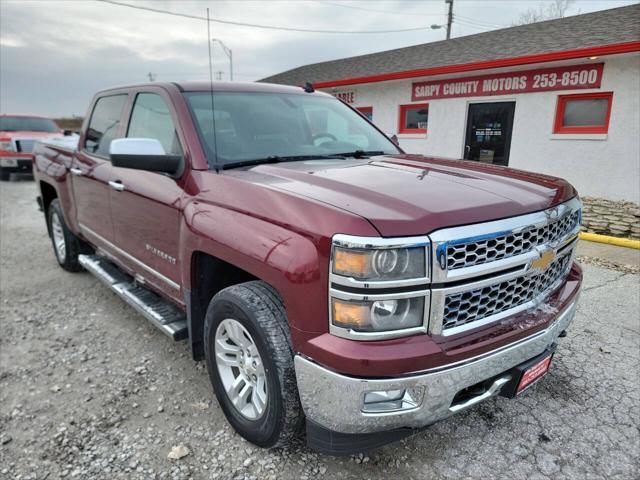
(66, 246)
(253, 314)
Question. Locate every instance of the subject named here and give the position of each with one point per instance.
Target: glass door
(488, 137)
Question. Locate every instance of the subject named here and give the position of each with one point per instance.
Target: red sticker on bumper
(534, 373)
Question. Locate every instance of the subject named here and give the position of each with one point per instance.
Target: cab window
(103, 125)
(151, 118)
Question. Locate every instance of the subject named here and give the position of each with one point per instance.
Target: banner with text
(346, 97)
(528, 81)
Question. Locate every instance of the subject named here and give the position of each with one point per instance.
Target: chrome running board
(161, 313)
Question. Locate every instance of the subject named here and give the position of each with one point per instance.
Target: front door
(146, 205)
(488, 137)
(91, 171)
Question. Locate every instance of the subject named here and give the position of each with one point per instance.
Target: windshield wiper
(362, 153)
(254, 161)
(279, 159)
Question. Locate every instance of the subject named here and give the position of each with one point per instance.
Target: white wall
(606, 166)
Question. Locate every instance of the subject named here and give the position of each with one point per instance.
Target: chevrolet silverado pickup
(18, 135)
(330, 281)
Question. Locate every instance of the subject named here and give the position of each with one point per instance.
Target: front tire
(250, 363)
(66, 246)
(5, 174)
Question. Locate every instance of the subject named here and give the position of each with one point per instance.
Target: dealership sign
(528, 81)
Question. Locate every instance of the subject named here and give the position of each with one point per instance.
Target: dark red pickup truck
(328, 279)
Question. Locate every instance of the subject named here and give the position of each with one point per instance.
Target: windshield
(256, 126)
(27, 124)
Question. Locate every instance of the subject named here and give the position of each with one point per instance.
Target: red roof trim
(487, 64)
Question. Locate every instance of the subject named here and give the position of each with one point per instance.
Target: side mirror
(67, 133)
(143, 154)
(394, 139)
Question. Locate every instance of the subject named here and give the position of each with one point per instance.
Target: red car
(328, 279)
(18, 134)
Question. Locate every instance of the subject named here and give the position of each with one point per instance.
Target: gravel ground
(89, 389)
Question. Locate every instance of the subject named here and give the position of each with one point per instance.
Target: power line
(253, 25)
(468, 21)
(471, 25)
(481, 23)
(379, 11)
(474, 27)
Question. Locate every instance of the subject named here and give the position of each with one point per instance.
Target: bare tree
(558, 8)
(531, 15)
(545, 11)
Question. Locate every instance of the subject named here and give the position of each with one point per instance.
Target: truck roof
(219, 87)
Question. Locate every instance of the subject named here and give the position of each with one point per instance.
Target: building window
(367, 112)
(583, 113)
(413, 118)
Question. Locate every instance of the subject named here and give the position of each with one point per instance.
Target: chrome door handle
(119, 186)
(491, 391)
(76, 171)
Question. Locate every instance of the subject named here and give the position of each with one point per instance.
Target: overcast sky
(54, 55)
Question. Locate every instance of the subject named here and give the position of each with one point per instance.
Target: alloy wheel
(241, 369)
(58, 237)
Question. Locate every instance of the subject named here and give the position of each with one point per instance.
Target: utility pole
(152, 76)
(449, 18)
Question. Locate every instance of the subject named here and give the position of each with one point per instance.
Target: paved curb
(620, 242)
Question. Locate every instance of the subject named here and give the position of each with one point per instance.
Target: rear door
(91, 170)
(146, 206)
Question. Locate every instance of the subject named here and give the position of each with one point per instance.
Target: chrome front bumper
(336, 402)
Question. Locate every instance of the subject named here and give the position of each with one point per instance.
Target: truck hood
(415, 195)
(12, 134)
(28, 134)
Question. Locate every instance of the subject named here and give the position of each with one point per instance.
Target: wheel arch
(48, 194)
(209, 275)
(218, 241)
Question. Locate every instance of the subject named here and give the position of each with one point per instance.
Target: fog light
(386, 401)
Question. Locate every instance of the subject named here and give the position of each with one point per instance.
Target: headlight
(6, 146)
(383, 264)
(378, 315)
(378, 286)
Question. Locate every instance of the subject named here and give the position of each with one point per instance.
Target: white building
(560, 97)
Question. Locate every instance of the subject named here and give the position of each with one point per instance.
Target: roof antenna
(213, 116)
(308, 87)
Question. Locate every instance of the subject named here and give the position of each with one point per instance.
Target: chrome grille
(473, 305)
(466, 254)
(25, 146)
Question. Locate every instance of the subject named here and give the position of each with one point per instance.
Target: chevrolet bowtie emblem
(542, 263)
(552, 213)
